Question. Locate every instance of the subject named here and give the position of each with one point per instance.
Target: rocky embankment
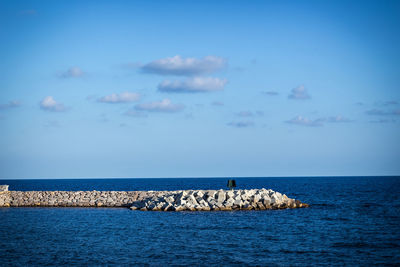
(206, 200)
(71, 198)
(183, 200)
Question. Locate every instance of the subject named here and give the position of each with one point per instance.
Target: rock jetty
(206, 200)
(183, 200)
(71, 198)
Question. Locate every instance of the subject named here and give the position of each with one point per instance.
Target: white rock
(230, 194)
(229, 202)
(257, 198)
(221, 196)
(266, 201)
(200, 194)
(238, 202)
(191, 199)
(186, 199)
(170, 199)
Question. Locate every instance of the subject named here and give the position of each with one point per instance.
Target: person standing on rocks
(231, 184)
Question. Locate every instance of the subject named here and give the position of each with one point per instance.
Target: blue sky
(199, 88)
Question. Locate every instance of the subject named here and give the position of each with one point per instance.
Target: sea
(351, 221)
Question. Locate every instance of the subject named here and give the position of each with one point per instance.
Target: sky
(93, 89)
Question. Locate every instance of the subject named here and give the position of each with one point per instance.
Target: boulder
(221, 196)
(230, 194)
(238, 202)
(229, 202)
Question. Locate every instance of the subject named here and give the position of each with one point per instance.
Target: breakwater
(182, 200)
(72, 198)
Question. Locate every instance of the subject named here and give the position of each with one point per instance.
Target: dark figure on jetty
(231, 184)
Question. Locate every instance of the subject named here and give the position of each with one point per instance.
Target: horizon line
(204, 177)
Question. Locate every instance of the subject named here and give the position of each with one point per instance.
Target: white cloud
(164, 105)
(241, 124)
(73, 72)
(185, 66)
(10, 104)
(125, 97)
(193, 85)
(49, 104)
(299, 92)
(299, 120)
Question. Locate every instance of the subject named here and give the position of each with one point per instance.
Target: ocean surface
(351, 221)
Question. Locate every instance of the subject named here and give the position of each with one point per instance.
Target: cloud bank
(49, 104)
(164, 105)
(193, 85)
(299, 93)
(125, 97)
(185, 66)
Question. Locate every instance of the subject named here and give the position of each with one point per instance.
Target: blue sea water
(351, 221)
